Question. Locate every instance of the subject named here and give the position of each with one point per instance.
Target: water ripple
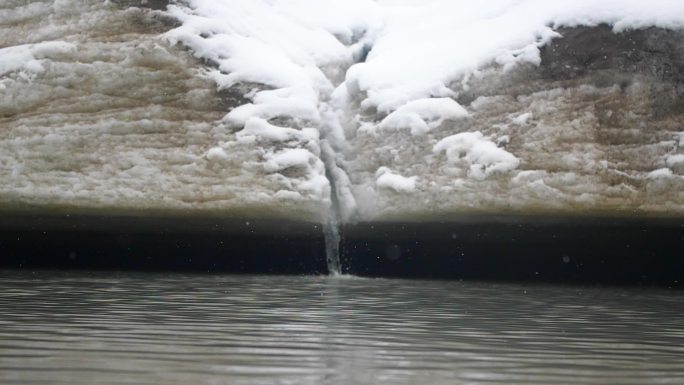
(97, 328)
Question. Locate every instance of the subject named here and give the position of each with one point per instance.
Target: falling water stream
(331, 232)
(331, 227)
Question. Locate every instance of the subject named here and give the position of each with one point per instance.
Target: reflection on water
(96, 328)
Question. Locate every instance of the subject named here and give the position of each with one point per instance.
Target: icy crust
(98, 112)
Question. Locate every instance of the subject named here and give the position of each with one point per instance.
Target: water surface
(124, 328)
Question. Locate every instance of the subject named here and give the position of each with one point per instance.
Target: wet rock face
(152, 4)
(605, 58)
(585, 50)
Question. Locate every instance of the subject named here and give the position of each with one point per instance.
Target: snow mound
(27, 58)
(420, 116)
(386, 179)
(482, 156)
(260, 129)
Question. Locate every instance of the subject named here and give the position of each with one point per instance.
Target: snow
(101, 113)
(27, 58)
(422, 115)
(417, 48)
(673, 160)
(522, 119)
(385, 178)
(298, 157)
(216, 154)
(260, 129)
(482, 155)
(426, 45)
(659, 173)
(283, 45)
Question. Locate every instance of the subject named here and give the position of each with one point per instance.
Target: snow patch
(674, 160)
(482, 156)
(27, 57)
(260, 129)
(297, 158)
(422, 115)
(522, 119)
(659, 173)
(216, 154)
(385, 178)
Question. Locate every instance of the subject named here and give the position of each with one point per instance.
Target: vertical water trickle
(331, 232)
(331, 227)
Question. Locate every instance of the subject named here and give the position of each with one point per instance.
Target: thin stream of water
(331, 228)
(331, 232)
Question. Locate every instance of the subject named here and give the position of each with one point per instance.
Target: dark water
(125, 328)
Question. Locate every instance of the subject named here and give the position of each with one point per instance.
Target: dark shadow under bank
(189, 244)
(586, 250)
(647, 251)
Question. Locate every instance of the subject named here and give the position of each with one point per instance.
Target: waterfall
(341, 199)
(331, 232)
(331, 227)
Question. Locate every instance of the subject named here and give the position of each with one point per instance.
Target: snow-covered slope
(403, 108)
